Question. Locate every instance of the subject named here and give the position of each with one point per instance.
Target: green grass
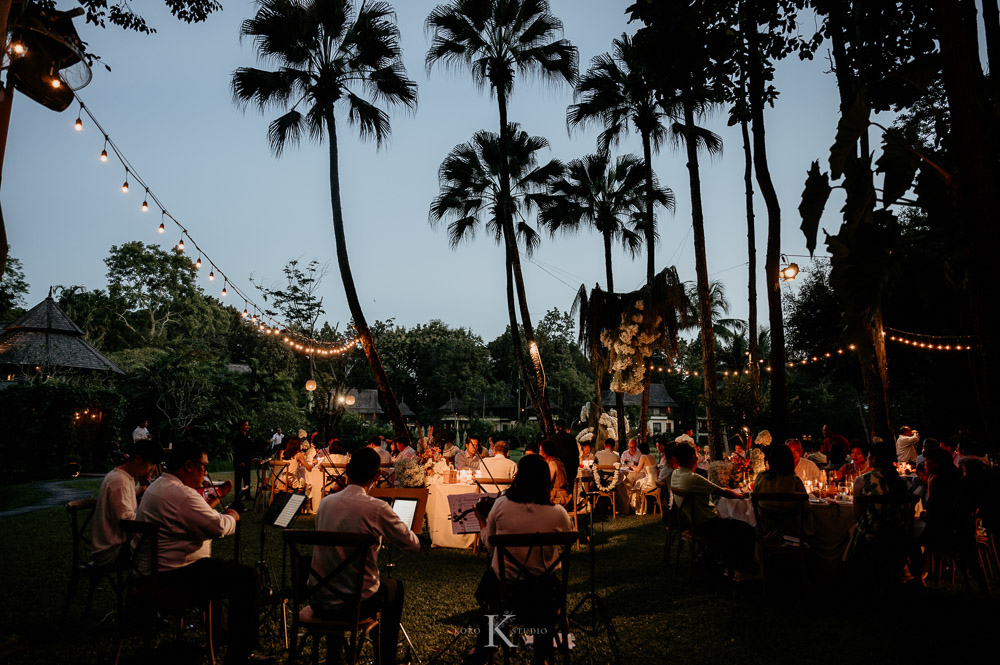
(661, 614)
(16, 496)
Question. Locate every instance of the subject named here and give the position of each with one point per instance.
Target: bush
(521, 433)
(354, 432)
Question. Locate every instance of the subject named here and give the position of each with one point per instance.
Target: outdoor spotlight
(789, 272)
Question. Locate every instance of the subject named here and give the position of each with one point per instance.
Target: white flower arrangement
(612, 481)
(435, 471)
(719, 472)
(757, 460)
(410, 473)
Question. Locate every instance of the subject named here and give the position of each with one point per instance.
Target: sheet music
(291, 508)
(406, 510)
(458, 503)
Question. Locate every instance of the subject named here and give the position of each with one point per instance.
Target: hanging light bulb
(125, 184)
(104, 153)
(18, 48)
(223, 291)
(211, 275)
(180, 245)
(245, 312)
(78, 125)
(145, 201)
(161, 229)
(197, 264)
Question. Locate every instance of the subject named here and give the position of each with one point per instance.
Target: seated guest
(303, 463)
(352, 511)
(642, 480)
(739, 452)
(561, 493)
(586, 455)
(817, 457)
(531, 448)
(858, 464)
(403, 450)
(668, 463)
(471, 457)
(375, 443)
(928, 445)
(187, 527)
(732, 539)
(292, 447)
(499, 466)
(779, 518)
(525, 508)
(117, 501)
(951, 447)
(631, 456)
(568, 453)
(608, 456)
(336, 453)
(881, 480)
(804, 469)
(449, 449)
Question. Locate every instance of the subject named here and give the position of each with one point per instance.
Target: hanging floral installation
(620, 331)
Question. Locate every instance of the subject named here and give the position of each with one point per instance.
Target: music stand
(281, 514)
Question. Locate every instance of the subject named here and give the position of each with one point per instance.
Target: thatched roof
(406, 411)
(45, 337)
(365, 402)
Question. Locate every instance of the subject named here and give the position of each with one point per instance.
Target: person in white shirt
(117, 501)
(276, 440)
(140, 433)
(471, 457)
(805, 469)
(906, 445)
(686, 437)
(185, 564)
(352, 510)
(403, 450)
(498, 466)
(631, 456)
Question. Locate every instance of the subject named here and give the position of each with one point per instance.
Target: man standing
(470, 457)
(187, 527)
(906, 445)
(275, 443)
(351, 510)
(686, 437)
(117, 501)
(499, 466)
(806, 470)
(141, 433)
(242, 456)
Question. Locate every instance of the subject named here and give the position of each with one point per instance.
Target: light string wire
(295, 340)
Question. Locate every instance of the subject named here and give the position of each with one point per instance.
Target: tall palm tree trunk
(515, 338)
(779, 398)
(619, 397)
(513, 256)
(647, 157)
(701, 268)
(360, 323)
(752, 342)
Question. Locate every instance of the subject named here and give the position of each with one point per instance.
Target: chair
(388, 476)
(276, 478)
(892, 543)
(331, 475)
(346, 620)
(144, 593)
(685, 521)
(524, 597)
(672, 526)
(765, 517)
(574, 514)
(609, 470)
(655, 493)
(81, 513)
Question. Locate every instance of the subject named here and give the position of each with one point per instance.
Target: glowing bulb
(145, 206)
(211, 275)
(161, 229)
(18, 48)
(244, 313)
(78, 125)
(56, 83)
(197, 264)
(125, 187)
(104, 155)
(223, 292)
(180, 245)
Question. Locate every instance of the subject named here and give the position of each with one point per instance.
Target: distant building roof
(45, 337)
(365, 401)
(406, 411)
(658, 397)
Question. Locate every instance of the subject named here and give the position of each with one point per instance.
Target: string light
(18, 48)
(78, 125)
(197, 264)
(180, 245)
(224, 290)
(211, 276)
(125, 184)
(145, 201)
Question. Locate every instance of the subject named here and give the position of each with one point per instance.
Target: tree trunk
(779, 398)
(543, 412)
(752, 344)
(360, 324)
(515, 338)
(622, 431)
(607, 261)
(647, 157)
(701, 268)
(875, 375)
(974, 142)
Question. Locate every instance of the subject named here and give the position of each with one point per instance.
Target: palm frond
(285, 130)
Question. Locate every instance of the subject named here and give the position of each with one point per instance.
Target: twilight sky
(167, 105)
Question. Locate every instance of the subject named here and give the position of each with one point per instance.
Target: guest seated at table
(568, 453)
(858, 464)
(608, 456)
(631, 456)
(403, 450)
(531, 448)
(928, 445)
(733, 540)
(471, 457)
(881, 480)
(292, 446)
(817, 457)
(525, 508)
(804, 469)
(449, 449)
(336, 453)
(351, 510)
(641, 480)
(779, 518)
(561, 493)
(739, 452)
(117, 500)
(586, 454)
(499, 466)
(668, 463)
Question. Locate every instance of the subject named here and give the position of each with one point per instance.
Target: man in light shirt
(805, 469)
(141, 433)
(498, 466)
(185, 564)
(117, 500)
(906, 445)
(471, 457)
(352, 510)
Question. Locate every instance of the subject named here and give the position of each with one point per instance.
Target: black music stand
(281, 514)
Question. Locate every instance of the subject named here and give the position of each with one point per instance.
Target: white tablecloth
(829, 524)
(438, 512)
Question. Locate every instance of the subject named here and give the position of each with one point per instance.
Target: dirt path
(59, 494)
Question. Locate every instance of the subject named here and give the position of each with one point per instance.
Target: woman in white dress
(641, 480)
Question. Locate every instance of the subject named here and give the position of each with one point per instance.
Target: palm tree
(609, 197)
(329, 55)
(497, 39)
(472, 197)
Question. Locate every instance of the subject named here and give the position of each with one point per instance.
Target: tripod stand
(600, 620)
(411, 652)
(280, 513)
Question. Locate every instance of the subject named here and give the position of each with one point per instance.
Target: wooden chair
(348, 619)
(574, 514)
(276, 478)
(141, 597)
(332, 474)
(657, 505)
(696, 543)
(887, 553)
(519, 596)
(388, 476)
(671, 525)
(794, 503)
(609, 471)
(81, 514)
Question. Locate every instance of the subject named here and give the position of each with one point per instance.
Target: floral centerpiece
(410, 473)
(757, 453)
(434, 470)
(721, 473)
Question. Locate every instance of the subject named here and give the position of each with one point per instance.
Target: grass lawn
(660, 614)
(16, 496)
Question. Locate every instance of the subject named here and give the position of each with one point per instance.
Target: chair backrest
(358, 545)
(606, 472)
(333, 475)
(891, 509)
(503, 543)
(144, 539)
(81, 515)
(772, 512)
(685, 508)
